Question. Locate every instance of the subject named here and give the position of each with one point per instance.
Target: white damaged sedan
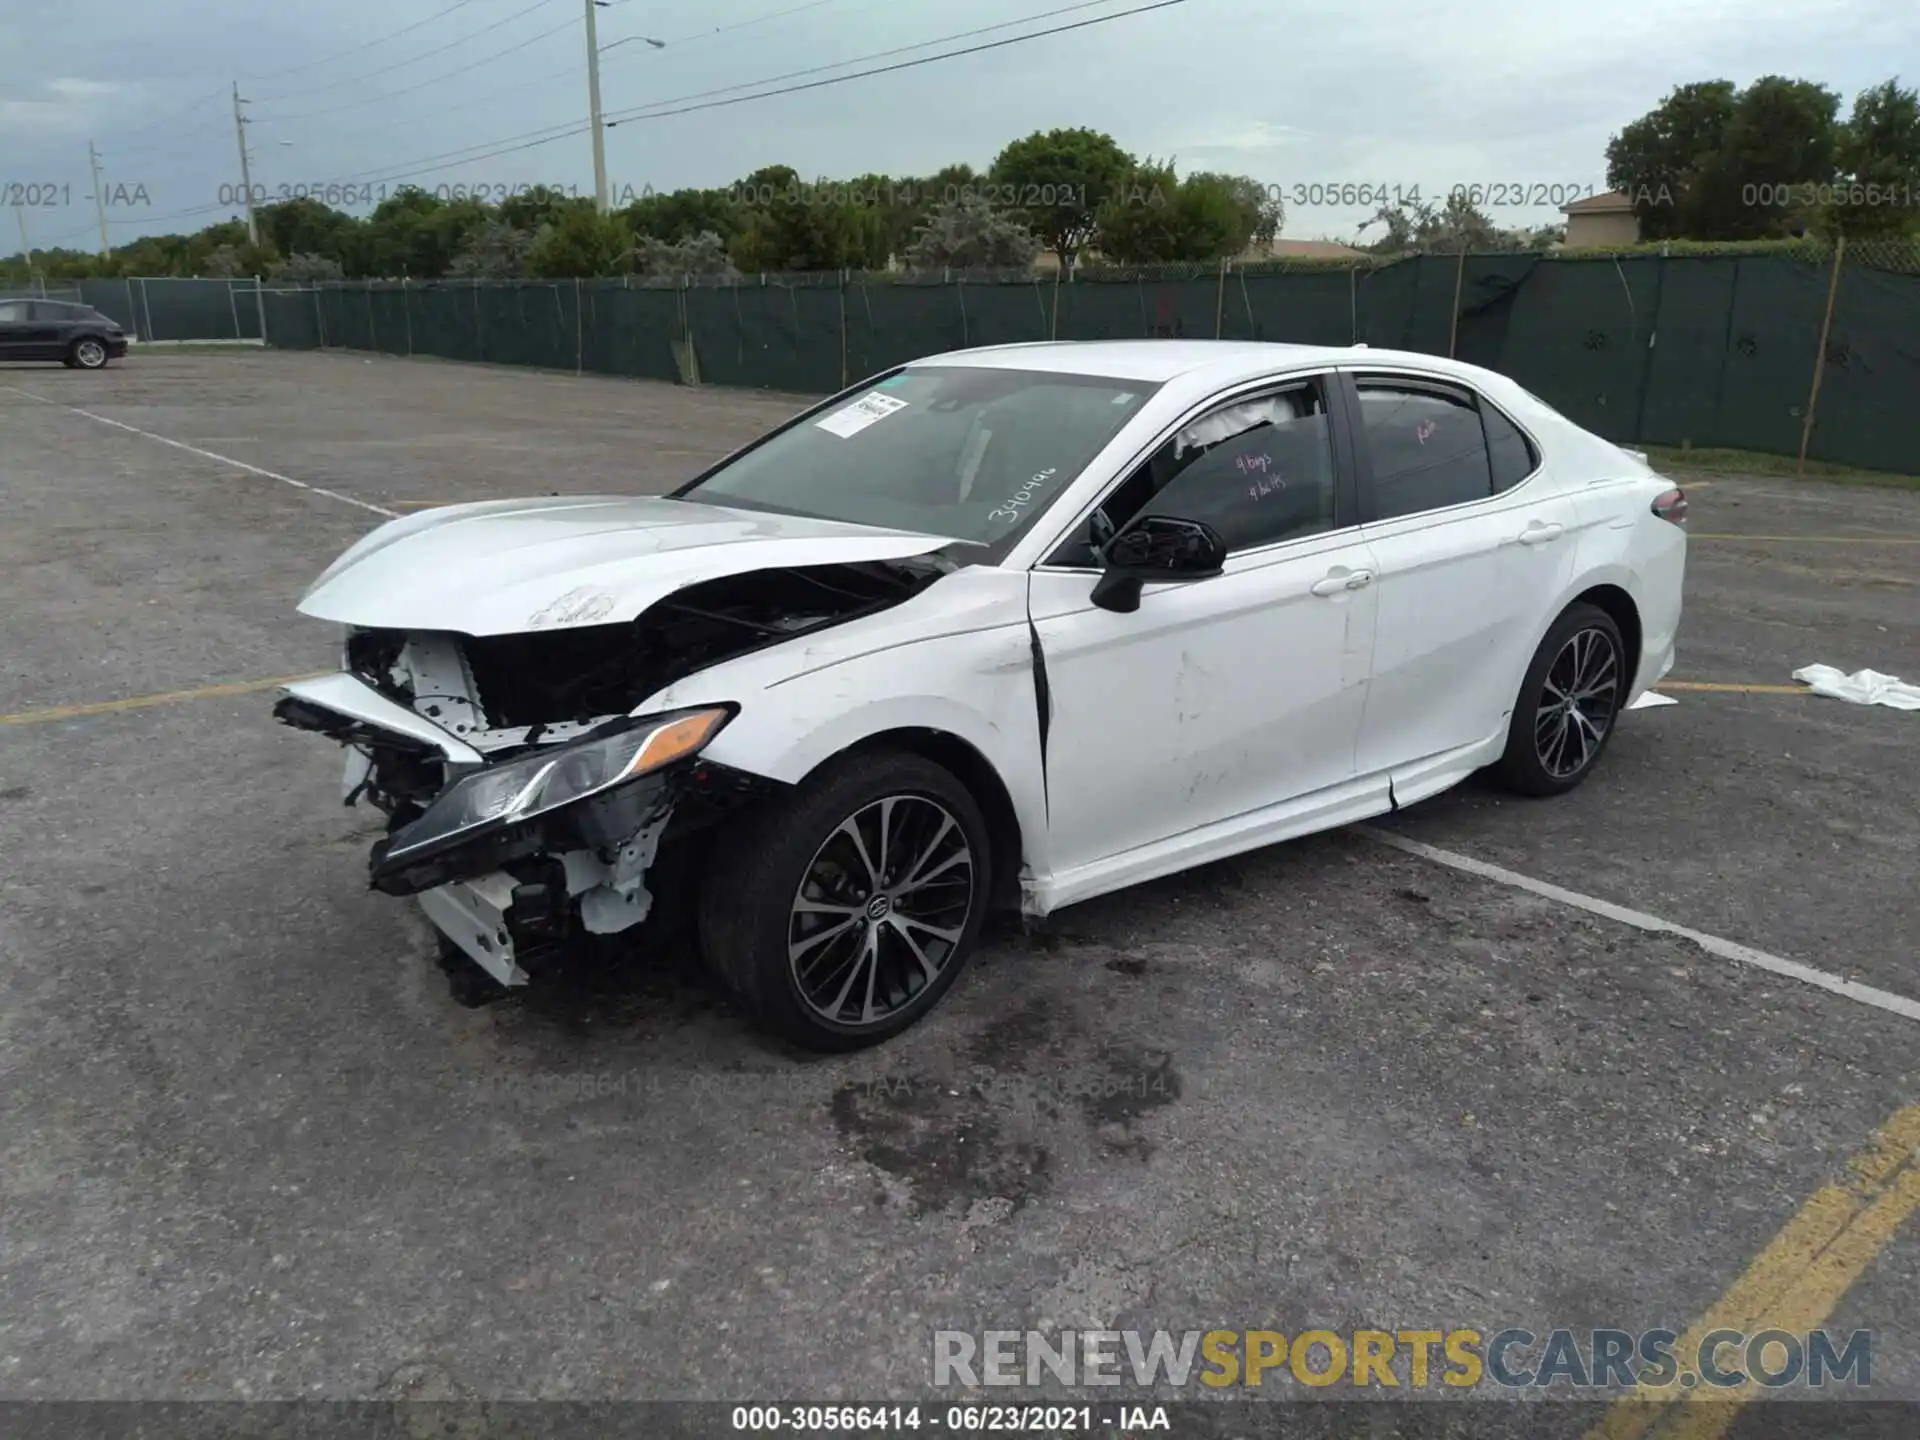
(1010, 627)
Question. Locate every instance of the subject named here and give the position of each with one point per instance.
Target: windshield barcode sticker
(860, 414)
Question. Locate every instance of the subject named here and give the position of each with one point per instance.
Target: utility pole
(593, 107)
(26, 245)
(246, 178)
(99, 196)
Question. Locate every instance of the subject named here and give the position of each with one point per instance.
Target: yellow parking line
(1794, 1284)
(1717, 687)
(140, 702)
(1818, 539)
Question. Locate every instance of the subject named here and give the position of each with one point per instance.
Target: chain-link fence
(40, 290)
(165, 309)
(1709, 346)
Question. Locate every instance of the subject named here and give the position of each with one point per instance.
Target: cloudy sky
(376, 93)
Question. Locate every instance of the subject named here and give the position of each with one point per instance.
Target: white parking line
(207, 454)
(1653, 924)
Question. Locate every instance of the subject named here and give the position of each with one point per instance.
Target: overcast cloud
(1395, 93)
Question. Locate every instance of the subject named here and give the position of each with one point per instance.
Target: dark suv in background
(78, 335)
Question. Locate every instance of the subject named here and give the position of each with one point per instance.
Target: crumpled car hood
(506, 566)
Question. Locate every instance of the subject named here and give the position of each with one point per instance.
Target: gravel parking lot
(254, 1150)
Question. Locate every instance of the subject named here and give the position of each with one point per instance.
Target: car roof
(1222, 361)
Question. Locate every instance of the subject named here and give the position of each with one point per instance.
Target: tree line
(1716, 161)
(1712, 161)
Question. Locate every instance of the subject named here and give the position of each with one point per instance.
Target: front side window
(970, 453)
(1427, 446)
(1258, 471)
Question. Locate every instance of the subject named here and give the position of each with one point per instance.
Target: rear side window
(13, 312)
(1428, 448)
(1512, 454)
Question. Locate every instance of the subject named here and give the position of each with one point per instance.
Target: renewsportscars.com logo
(1459, 1358)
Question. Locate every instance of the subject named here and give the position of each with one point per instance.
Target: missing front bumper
(473, 914)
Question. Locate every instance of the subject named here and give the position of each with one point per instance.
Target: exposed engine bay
(534, 802)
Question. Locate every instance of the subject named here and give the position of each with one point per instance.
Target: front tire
(840, 914)
(88, 353)
(1568, 703)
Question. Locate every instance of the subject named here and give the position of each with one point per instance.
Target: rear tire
(87, 353)
(840, 914)
(1568, 704)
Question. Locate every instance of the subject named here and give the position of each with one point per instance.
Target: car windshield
(961, 451)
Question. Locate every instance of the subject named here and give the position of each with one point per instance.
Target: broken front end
(527, 803)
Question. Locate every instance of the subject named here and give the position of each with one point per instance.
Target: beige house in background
(1282, 249)
(1605, 220)
(1047, 262)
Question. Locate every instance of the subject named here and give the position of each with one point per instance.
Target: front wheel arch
(973, 770)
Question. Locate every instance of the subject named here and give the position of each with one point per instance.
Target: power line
(177, 215)
(534, 139)
(878, 55)
(573, 70)
(554, 133)
(415, 59)
(688, 39)
(488, 59)
(694, 35)
(166, 147)
(509, 144)
(652, 112)
(366, 44)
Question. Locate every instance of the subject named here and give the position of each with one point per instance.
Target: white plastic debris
(1863, 687)
(1651, 699)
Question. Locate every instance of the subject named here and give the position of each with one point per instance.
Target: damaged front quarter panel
(459, 730)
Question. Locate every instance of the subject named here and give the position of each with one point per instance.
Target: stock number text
(346, 193)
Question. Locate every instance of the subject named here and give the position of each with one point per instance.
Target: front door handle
(1339, 581)
(1538, 534)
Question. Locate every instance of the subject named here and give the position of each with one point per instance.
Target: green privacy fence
(1713, 350)
(165, 309)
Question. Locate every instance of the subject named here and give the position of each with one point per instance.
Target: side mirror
(1156, 547)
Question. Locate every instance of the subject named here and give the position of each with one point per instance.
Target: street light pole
(246, 179)
(99, 196)
(593, 106)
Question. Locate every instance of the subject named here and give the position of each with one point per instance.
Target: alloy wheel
(880, 910)
(1578, 699)
(90, 353)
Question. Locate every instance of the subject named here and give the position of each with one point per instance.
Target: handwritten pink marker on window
(1423, 432)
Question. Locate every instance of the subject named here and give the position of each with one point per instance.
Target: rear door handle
(1538, 534)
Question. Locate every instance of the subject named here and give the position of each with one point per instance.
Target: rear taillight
(1671, 505)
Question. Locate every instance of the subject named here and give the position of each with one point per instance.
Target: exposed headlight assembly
(504, 796)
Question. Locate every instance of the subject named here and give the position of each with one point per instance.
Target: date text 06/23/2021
(1051, 1420)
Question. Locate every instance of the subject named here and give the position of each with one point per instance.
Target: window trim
(1352, 376)
(1346, 495)
(1534, 452)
